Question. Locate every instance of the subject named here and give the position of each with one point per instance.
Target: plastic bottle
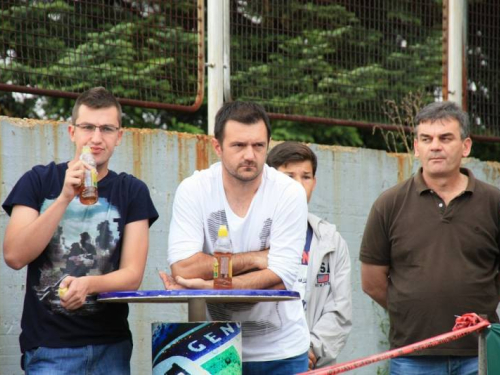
(88, 192)
(223, 263)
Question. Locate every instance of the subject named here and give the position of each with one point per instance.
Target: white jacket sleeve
(329, 334)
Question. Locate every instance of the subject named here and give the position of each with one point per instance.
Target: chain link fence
(327, 61)
(483, 67)
(335, 59)
(149, 53)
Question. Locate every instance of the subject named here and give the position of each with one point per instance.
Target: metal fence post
(215, 63)
(482, 368)
(456, 49)
(482, 359)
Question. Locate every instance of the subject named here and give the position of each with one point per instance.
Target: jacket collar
(324, 233)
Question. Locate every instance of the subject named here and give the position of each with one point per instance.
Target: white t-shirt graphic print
(276, 219)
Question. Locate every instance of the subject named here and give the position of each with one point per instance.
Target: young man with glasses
(64, 330)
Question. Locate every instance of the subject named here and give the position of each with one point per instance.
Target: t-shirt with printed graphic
(276, 219)
(88, 241)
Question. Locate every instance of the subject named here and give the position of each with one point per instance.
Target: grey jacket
(328, 292)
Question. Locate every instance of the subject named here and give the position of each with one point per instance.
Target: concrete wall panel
(349, 180)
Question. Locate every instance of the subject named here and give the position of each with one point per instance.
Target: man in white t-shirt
(266, 214)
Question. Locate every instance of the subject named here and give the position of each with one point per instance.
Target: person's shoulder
(211, 173)
(45, 170)
(126, 178)
(204, 178)
(485, 187)
(392, 194)
(133, 185)
(272, 174)
(317, 223)
(487, 193)
(33, 184)
(201, 185)
(321, 227)
(278, 180)
(400, 187)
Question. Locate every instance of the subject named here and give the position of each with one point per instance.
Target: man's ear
(467, 147)
(217, 147)
(71, 132)
(120, 136)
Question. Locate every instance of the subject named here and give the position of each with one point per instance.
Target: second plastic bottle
(223, 262)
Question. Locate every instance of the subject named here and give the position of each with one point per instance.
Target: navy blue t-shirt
(88, 241)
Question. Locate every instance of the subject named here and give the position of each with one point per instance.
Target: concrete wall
(349, 180)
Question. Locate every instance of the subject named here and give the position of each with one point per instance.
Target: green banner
(493, 349)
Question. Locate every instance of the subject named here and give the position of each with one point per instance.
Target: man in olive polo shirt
(430, 249)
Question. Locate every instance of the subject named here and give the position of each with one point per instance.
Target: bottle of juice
(223, 263)
(88, 192)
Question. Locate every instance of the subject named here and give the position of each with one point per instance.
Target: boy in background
(324, 279)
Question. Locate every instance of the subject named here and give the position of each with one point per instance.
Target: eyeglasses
(104, 129)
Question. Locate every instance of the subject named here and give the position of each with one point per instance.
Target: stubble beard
(244, 178)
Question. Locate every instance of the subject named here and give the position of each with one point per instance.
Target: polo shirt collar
(421, 187)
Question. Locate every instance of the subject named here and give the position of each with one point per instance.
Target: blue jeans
(110, 359)
(434, 365)
(288, 366)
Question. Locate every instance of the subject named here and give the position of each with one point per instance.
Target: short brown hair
(243, 112)
(96, 98)
(291, 152)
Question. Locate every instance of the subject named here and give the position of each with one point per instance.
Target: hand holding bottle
(88, 192)
(72, 181)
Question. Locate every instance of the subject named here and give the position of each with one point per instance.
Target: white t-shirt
(276, 219)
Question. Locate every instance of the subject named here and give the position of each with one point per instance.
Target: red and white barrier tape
(464, 325)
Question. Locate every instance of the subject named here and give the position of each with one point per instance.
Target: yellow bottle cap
(223, 231)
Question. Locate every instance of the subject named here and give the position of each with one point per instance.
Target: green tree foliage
(338, 59)
(139, 50)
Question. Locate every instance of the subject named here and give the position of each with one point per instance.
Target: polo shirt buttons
(440, 205)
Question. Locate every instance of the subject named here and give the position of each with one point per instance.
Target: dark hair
(96, 98)
(444, 110)
(291, 152)
(244, 112)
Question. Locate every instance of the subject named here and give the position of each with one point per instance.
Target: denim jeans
(110, 359)
(288, 366)
(434, 365)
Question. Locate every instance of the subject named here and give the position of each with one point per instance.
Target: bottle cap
(86, 150)
(223, 231)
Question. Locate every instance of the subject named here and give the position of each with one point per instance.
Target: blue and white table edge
(198, 298)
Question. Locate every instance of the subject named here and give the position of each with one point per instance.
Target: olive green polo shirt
(443, 260)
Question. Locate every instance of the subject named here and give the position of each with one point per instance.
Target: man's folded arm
(263, 279)
(200, 265)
